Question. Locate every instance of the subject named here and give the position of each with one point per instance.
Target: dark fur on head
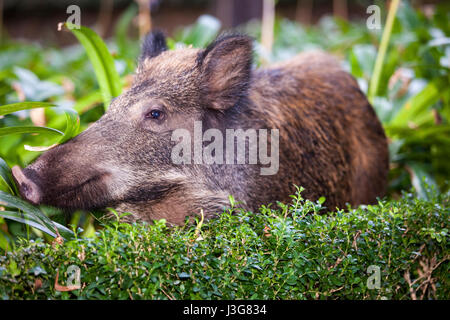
(154, 43)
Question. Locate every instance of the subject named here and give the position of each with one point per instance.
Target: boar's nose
(28, 189)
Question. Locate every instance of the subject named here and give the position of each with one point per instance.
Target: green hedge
(289, 253)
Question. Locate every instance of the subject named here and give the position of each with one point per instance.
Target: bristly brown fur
(331, 141)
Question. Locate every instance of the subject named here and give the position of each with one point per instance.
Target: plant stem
(374, 81)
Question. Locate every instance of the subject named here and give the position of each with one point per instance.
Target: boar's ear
(225, 66)
(154, 43)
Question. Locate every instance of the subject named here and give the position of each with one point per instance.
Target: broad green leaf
(72, 126)
(72, 123)
(419, 104)
(15, 202)
(82, 105)
(32, 213)
(10, 108)
(202, 32)
(4, 243)
(426, 133)
(29, 129)
(26, 219)
(6, 180)
(102, 61)
(421, 179)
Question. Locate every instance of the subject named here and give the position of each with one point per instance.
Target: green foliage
(17, 209)
(30, 215)
(287, 253)
(14, 107)
(33, 88)
(28, 129)
(72, 121)
(202, 33)
(126, 45)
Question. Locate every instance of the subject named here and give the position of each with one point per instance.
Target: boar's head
(125, 157)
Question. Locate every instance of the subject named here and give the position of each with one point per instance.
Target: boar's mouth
(89, 194)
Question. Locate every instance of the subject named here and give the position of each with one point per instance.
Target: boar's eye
(155, 114)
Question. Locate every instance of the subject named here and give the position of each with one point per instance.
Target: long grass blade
(102, 61)
(29, 129)
(374, 81)
(10, 108)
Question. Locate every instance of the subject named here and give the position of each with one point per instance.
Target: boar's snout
(68, 176)
(29, 190)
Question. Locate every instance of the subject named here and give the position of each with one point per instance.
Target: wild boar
(327, 138)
